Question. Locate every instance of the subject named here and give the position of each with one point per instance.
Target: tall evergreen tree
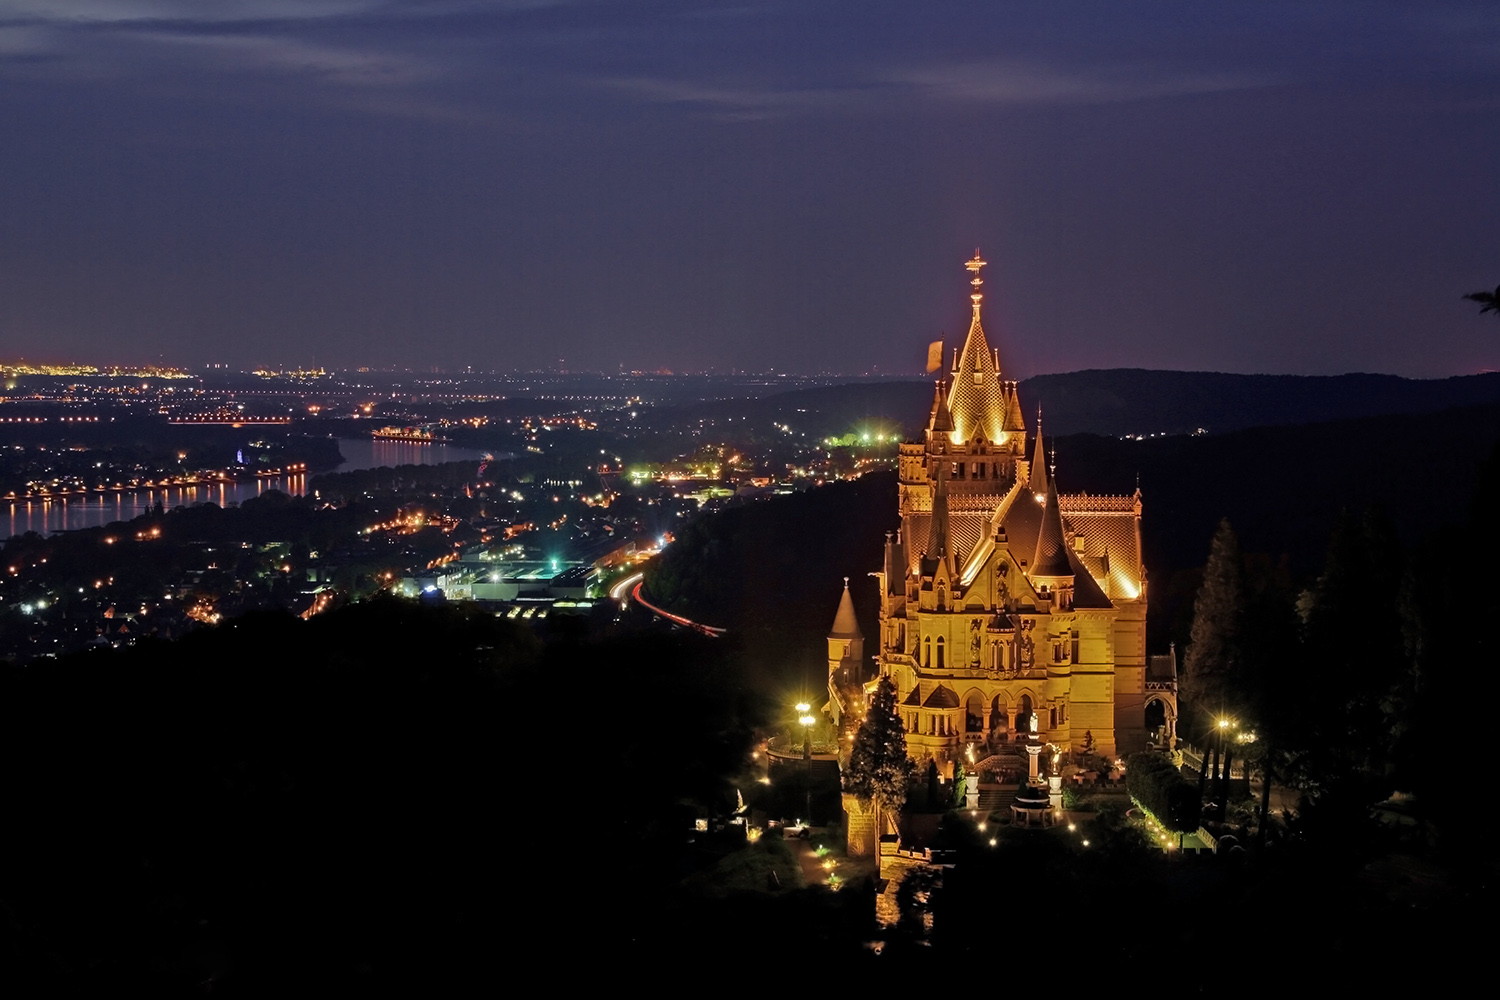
(1215, 650)
(879, 769)
(1356, 649)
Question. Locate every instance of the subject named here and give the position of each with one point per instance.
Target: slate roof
(845, 625)
(1087, 594)
(942, 697)
(977, 399)
(1051, 544)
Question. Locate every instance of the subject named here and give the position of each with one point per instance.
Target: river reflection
(68, 513)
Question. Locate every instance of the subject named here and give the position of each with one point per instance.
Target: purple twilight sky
(1304, 187)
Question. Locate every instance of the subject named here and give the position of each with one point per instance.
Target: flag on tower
(934, 355)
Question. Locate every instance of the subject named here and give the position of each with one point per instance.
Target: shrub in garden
(1162, 790)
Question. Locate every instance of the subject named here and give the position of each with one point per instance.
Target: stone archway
(999, 715)
(974, 712)
(1161, 719)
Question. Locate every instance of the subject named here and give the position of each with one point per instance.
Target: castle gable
(942, 696)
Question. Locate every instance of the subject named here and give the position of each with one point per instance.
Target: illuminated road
(708, 630)
(621, 590)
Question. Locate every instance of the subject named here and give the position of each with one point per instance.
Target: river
(68, 513)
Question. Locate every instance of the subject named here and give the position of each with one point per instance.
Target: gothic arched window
(941, 659)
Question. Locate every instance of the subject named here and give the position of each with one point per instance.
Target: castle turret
(846, 653)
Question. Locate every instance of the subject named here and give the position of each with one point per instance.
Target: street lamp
(806, 720)
(1223, 766)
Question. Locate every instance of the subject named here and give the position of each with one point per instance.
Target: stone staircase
(992, 797)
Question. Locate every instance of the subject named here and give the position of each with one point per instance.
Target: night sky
(1299, 187)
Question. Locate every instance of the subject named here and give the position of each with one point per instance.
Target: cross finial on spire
(846, 583)
(974, 267)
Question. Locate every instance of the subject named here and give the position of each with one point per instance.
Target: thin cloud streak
(77, 12)
(1016, 82)
(278, 54)
(1002, 82)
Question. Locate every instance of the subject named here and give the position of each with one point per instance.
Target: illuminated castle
(1000, 596)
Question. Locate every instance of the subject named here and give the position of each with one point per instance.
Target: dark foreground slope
(387, 795)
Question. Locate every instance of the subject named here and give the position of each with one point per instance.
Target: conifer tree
(1352, 704)
(879, 769)
(1215, 648)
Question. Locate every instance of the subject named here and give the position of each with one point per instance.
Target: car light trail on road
(708, 630)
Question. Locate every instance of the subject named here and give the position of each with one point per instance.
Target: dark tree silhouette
(1488, 301)
(1210, 669)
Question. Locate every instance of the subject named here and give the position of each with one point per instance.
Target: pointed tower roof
(977, 398)
(845, 626)
(1051, 542)
(1013, 419)
(940, 420)
(937, 526)
(895, 564)
(1038, 481)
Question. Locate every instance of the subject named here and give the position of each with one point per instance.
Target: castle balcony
(919, 741)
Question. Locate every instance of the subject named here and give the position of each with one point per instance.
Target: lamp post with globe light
(806, 720)
(1222, 792)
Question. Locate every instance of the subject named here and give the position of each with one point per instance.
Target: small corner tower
(846, 653)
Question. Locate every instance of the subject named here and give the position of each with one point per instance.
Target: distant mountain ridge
(1140, 401)
(1118, 402)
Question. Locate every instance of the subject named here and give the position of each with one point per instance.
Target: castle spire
(845, 625)
(895, 564)
(1051, 542)
(941, 420)
(937, 528)
(1038, 481)
(976, 397)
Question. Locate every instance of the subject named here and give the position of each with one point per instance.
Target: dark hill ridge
(771, 571)
(1113, 402)
(1136, 401)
